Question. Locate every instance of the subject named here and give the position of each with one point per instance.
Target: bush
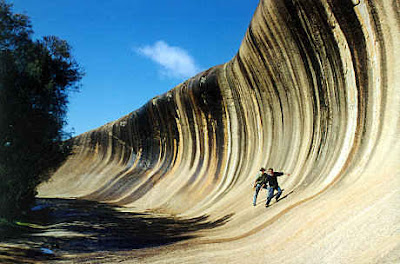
(35, 79)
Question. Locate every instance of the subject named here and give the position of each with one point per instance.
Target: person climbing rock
(260, 182)
(272, 180)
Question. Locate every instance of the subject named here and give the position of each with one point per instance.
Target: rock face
(314, 91)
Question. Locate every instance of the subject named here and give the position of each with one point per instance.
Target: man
(273, 184)
(260, 182)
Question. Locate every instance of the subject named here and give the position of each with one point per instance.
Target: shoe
(267, 205)
(254, 204)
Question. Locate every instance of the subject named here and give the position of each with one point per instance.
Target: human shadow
(285, 196)
(263, 200)
(70, 226)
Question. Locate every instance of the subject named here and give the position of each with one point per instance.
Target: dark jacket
(273, 180)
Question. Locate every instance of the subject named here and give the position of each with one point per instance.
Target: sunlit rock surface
(314, 90)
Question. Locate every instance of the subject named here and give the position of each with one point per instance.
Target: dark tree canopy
(35, 79)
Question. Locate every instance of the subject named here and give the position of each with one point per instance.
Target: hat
(262, 169)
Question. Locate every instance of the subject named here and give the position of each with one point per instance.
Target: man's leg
(258, 187)
(270, 195)
(278, 194)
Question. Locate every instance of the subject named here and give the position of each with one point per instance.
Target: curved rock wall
(313, 90)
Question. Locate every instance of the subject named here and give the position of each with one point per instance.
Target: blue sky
(134, 50)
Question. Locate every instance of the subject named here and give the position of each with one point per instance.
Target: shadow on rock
(78, 226)
(285, 196)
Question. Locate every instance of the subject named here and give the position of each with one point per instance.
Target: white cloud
(174, 61)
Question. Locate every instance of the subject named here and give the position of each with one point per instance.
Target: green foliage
(35, 79)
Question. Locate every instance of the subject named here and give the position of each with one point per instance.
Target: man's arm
(281, 174)
(255, 181)
(267, 179)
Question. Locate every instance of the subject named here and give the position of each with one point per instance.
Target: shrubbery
(35, 79)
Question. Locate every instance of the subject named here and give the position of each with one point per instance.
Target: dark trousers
(271, 194)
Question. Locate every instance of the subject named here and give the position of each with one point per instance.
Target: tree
(35, 79)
